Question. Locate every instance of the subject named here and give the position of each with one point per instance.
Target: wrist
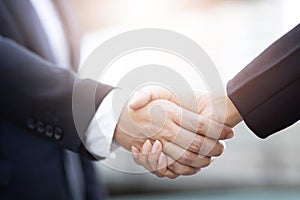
(124, 135)
(125, 140)
(232, 116)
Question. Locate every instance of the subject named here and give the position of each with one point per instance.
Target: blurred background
(232, 32)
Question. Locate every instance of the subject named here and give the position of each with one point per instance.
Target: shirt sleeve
(99, 135)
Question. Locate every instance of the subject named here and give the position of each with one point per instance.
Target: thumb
(139, 100)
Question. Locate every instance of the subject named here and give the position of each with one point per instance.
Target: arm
(188, 139)
(266, 92)
(37, 96)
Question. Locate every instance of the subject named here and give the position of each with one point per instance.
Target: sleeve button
(58, 133)
(31, 123)
(49, 131)
(40, 127)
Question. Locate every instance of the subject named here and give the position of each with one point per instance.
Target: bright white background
(232, 33)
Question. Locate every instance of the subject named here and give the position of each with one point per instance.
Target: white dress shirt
(97, 142)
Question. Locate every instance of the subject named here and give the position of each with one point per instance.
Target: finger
(143, 156)
(163, 168)
(197, 143)
(178, 168)
(202, 125)
(150, 93)
(171, 174)
(224, 144)
(162, 165)
(140, 99)
(135, 154)
(153, 157)
(185, 157)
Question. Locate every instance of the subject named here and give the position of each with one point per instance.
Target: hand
(205, 106)
(189, 140)
(218, 108)
(153, 159)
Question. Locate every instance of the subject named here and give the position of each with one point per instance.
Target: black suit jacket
(267, 91)
(36, 107)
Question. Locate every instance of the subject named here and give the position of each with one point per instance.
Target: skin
(188, 144)
(151, 155)
(189, 149)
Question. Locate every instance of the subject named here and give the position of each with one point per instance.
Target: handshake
(175, 134)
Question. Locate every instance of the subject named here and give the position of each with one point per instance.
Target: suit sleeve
(37, 95)
(267, 91)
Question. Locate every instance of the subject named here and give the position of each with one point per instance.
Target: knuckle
(197, 143)
(200, 124)
(187, 157)
(195, 123)
(172, 166)
(169, 133)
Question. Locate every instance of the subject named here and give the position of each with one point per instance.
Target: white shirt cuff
(99, 135)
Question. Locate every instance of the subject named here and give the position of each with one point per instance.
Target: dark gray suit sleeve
(267, 91)
(37, 95)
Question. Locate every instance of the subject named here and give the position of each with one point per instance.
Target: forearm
(266, 91)
(37, 95)
(32, 87)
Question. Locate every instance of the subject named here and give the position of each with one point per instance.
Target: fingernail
(161, 159)
(224, 144)
(146, 146)
(156, 146)
(134, 151)
(229, 135)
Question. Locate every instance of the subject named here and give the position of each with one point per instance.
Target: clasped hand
(170, 138)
